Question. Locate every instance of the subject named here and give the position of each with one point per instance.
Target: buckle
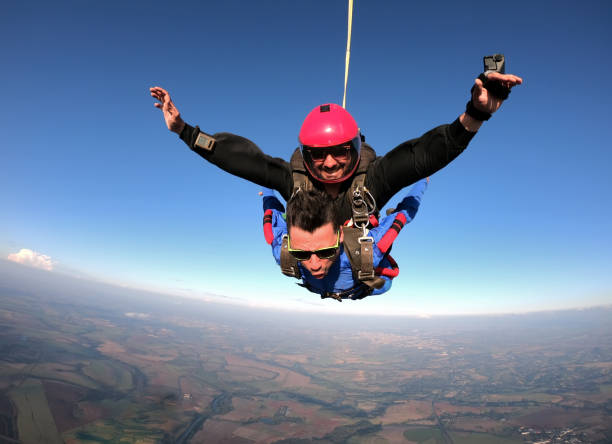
(362, 276)
(365, 239)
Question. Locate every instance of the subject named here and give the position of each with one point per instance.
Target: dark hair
(309, 210)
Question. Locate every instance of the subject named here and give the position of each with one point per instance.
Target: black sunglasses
(322, 253)
(337, 152)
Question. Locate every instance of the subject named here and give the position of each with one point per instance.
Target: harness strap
(301, 180)
(362, 202)
(288, 263)
(366, 246)
(360, 252)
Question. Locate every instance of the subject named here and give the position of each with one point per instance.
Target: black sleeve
(416, 159)
(242, 158)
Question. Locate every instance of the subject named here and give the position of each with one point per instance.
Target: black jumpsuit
(402, 166)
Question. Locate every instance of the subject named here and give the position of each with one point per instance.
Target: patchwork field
(76, 371)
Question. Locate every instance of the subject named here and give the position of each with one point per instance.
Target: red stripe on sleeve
(267, 227)
(387, 240)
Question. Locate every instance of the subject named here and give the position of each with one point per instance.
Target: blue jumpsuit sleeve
(270, 201)
(410, 204)
(279, 226)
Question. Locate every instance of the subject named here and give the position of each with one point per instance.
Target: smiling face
(324, 136)
(323, 237)
(330, 166)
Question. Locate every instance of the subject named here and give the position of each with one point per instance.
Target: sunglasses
(340, 152)
(322, 253)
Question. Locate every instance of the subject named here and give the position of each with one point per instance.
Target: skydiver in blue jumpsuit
(338, 278)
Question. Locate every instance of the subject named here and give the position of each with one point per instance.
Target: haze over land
(94, 185)
(85, 362)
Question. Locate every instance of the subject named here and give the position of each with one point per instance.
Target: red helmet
(330, 129)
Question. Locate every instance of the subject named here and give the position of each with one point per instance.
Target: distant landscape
(83, 362)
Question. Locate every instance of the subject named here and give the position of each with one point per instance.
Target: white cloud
(32, 258)
(138, 315)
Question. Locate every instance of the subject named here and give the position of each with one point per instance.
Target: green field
(110, 374)
(605, 388)
(35, 421)
(482, 438)
(429, 435)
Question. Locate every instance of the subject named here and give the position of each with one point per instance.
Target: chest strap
(359, 249)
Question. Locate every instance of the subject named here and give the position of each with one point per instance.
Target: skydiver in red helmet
(334, 157)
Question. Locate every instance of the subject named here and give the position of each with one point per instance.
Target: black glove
(494, 88)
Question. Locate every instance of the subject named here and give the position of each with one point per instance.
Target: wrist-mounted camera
(495, 62)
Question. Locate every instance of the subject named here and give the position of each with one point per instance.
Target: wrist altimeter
(204, 141)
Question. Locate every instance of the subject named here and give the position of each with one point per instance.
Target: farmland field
(142, 368)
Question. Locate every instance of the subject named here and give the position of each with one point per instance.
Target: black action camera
(495, 62)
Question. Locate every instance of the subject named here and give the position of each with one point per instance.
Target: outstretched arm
(270, 201)
(172, 116)
(234, 154)
(390, 225)
(410, 204)
(274, 225)
(423, 156)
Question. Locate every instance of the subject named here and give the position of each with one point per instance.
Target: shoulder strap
(301, 180)
(368, 155)
(288, 263)
(361, 200)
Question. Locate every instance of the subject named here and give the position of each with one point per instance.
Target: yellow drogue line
(348, 50)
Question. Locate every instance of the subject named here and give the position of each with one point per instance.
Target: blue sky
(92, 179)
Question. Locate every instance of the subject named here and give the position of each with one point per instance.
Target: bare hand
(174, 122)
(484, 101)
